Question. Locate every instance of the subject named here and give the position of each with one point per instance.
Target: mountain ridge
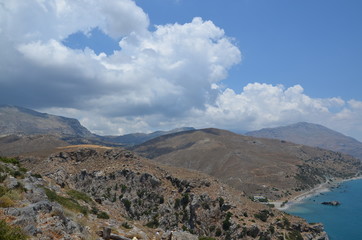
(257, 166)
(19, 120)
(314, 135)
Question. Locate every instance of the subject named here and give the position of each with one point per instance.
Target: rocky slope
(313, 135)
(85, 190)
(272, 168)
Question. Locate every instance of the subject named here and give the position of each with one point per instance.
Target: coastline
(321, 188)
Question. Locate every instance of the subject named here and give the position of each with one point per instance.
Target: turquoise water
(342, 222)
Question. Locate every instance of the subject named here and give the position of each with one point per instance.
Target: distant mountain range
(138, 138)
(313, 135)
(24, 130)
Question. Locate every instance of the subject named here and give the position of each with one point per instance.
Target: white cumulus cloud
(165, 78)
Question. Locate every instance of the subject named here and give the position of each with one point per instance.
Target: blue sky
(317, 44)
(123, 66)
(314, 43)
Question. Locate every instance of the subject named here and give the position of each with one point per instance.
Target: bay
(341, 222)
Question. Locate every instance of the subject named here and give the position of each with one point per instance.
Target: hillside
(273, 168)
(313, 135)
(81, 192)
(18, 120)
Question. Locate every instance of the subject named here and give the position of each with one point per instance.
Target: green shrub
(126, 225)
(103, 215)
(36, 175)
(262, 215)
(10, 233)
(94, 210)
(6, 202)
(177, 203)
(218, 232)
(79, 196)
(286, 222)
(226, 224)
(185, 200)
(3, 176)
(123, 188)
(294, 235)
(154, 222)
(206, 238)
(127, 203)
(17, 174)
(3, 190)
(10, 160)
(69, 203)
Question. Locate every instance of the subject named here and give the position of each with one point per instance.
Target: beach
(321, 188)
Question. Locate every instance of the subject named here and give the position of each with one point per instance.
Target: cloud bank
(160, 79)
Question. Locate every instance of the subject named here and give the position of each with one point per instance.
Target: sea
(343, 222)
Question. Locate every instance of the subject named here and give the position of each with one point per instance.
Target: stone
(332, 203)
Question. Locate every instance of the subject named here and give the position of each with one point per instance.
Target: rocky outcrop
(332, 203)
(29, 207)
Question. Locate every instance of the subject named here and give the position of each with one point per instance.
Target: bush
(127, 203)
(177, 203)
(154, 222)
(206, 238)
(185, 200)
(66, 202)
(79, 196)
(6, 202)
(286, 222)
(10, 233)
(262, 215)
(126, 225)
(3, 190)
(218, 232)
(226, 224)
(294, 235)
(36, 175)
(9, 160)
(3, 176)
(103, 215)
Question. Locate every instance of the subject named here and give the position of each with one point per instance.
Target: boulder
(332, 203)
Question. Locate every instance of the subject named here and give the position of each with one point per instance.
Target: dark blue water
(342, 222)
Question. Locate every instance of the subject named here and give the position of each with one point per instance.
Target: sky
(124, 66)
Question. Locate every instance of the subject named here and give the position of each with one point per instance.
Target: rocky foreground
(103, 193)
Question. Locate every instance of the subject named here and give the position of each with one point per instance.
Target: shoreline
(321, 188)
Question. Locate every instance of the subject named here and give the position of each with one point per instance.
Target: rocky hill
(313, 135)
(18, 120)
(88, 192)
(268, 167)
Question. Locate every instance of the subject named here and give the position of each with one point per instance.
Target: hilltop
(268, 167)
(313, 135)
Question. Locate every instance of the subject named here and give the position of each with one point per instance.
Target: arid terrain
(256, 166)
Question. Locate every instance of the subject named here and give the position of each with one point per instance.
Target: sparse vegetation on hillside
(69, 203)
(8, 232)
